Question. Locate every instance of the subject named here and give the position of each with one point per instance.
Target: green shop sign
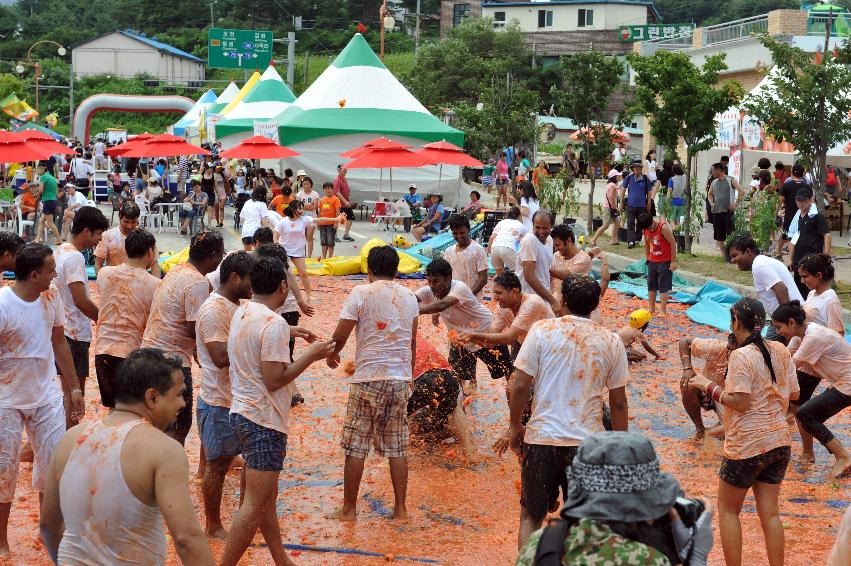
(655, 31)
(239, 48)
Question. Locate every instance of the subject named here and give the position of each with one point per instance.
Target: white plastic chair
(21, 222)
(150, 218)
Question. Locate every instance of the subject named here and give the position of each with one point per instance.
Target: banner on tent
(267, 129)
(735, 128)
(751, 133)
(212, 120)
(735, 166)
(728, 128)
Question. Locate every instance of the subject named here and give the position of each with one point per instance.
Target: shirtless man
(32, 334)
(114, 480)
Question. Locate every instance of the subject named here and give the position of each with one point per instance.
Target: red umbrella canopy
(15, 149)
(378, 143)
(164, 145)
(122, 147)
(448, 157)
(259, 147)
(46, 141)
(381, 158)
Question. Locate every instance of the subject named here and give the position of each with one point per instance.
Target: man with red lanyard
(341, 191)
(661, 259)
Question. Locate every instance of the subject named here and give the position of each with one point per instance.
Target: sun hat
(614, 173)
(615, 476)
(301, 173)
(412, 186)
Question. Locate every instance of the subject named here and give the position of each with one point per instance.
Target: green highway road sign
(239, 48)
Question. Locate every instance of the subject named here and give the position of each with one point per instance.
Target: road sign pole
(291, 59)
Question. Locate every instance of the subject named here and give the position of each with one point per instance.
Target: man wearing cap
(640, 192)
(564, 364)
(809, 232)
(415, 202)
(342, 192)
(615, 479)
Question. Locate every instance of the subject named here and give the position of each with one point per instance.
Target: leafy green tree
(10, 84)
(582, 94)
(461, 66)
(806, 103)
(681, 101)
(505, 114)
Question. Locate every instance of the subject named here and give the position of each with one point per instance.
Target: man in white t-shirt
(535, 257)
(31, 321)
(385, 314)
(212, 326)
(260, 378)
(468, 259)
(774, 284)
(565, 363)
(76, 200)
(461, 313)
(100, 157)
(72, 282)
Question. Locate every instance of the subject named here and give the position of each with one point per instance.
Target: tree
(460, 67)
(504, 116)
(587, 80)
(806, 103)
(682, 101)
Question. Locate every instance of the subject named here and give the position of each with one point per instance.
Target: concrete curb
(619, 262)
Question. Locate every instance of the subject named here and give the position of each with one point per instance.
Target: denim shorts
(659, 276)
(327, 234)
(263, 448)
(214, 428)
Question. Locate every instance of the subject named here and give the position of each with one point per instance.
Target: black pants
(292, 319)
(183, 422)
(633, 236)
(434, 397)
(80, 357)
(496, 358)
(106, 368)
(820, 408)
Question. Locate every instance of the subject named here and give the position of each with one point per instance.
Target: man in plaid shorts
(385, 314)
(72, 282)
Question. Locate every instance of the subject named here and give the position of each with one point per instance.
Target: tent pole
(391, 182)
(380, 183)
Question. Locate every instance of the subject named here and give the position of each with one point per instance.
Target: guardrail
(735, 30)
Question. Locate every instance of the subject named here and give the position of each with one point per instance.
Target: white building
(124, 53)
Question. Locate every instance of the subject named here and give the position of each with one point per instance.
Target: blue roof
(539, 3)
(161, 46)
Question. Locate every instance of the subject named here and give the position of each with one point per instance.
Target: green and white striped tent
(223, 99)
(269, 98)
(354, 100)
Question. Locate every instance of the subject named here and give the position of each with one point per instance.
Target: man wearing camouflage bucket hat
(622, 509)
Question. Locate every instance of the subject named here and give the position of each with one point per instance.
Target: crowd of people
(566, 375)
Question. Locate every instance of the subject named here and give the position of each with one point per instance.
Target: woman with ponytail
(823, 354)
(822, 305)
(757, 445)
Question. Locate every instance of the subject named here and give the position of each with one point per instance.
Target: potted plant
(560, 194)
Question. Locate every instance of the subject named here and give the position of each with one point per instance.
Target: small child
(329, 211)
(639, 320)
(139, 197)
(487, 175)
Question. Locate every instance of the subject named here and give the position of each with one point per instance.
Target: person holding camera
(760, 382)
(622, 510)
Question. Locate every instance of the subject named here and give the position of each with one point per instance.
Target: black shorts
(496, 358)
(211, 196)
(48, 207)
(434, 397)
(543, 471)
(765, 468)
(808, 384)
(722, 226)
(659, 276)
(350, 214)
(80, 356)
(106, 368)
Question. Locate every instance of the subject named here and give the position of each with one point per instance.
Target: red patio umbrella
(119, 149)
(15, 149)
(258, 147)
(394, 155)
(46, 141)
(378, 143)
(445, 153)
(164, 145)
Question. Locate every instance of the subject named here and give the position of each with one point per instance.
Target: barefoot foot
(216, 531)
(698, 436)
(400, 513)
(806, 457)
(343, 515)
(841, 469)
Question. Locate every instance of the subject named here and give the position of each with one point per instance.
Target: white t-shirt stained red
(213, 325)
(467, 263)
(531, 249)
(71, 268)
(385, 312)
(467, 315)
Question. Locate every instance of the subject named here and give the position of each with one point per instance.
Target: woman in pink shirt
(757, 445)
(826, 355)
(502, 177)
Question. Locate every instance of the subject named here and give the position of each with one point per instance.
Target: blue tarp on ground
(711, 303)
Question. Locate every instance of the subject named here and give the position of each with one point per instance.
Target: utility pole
(212, 22)
(417, 31)
(71, 99)
(306, 66)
